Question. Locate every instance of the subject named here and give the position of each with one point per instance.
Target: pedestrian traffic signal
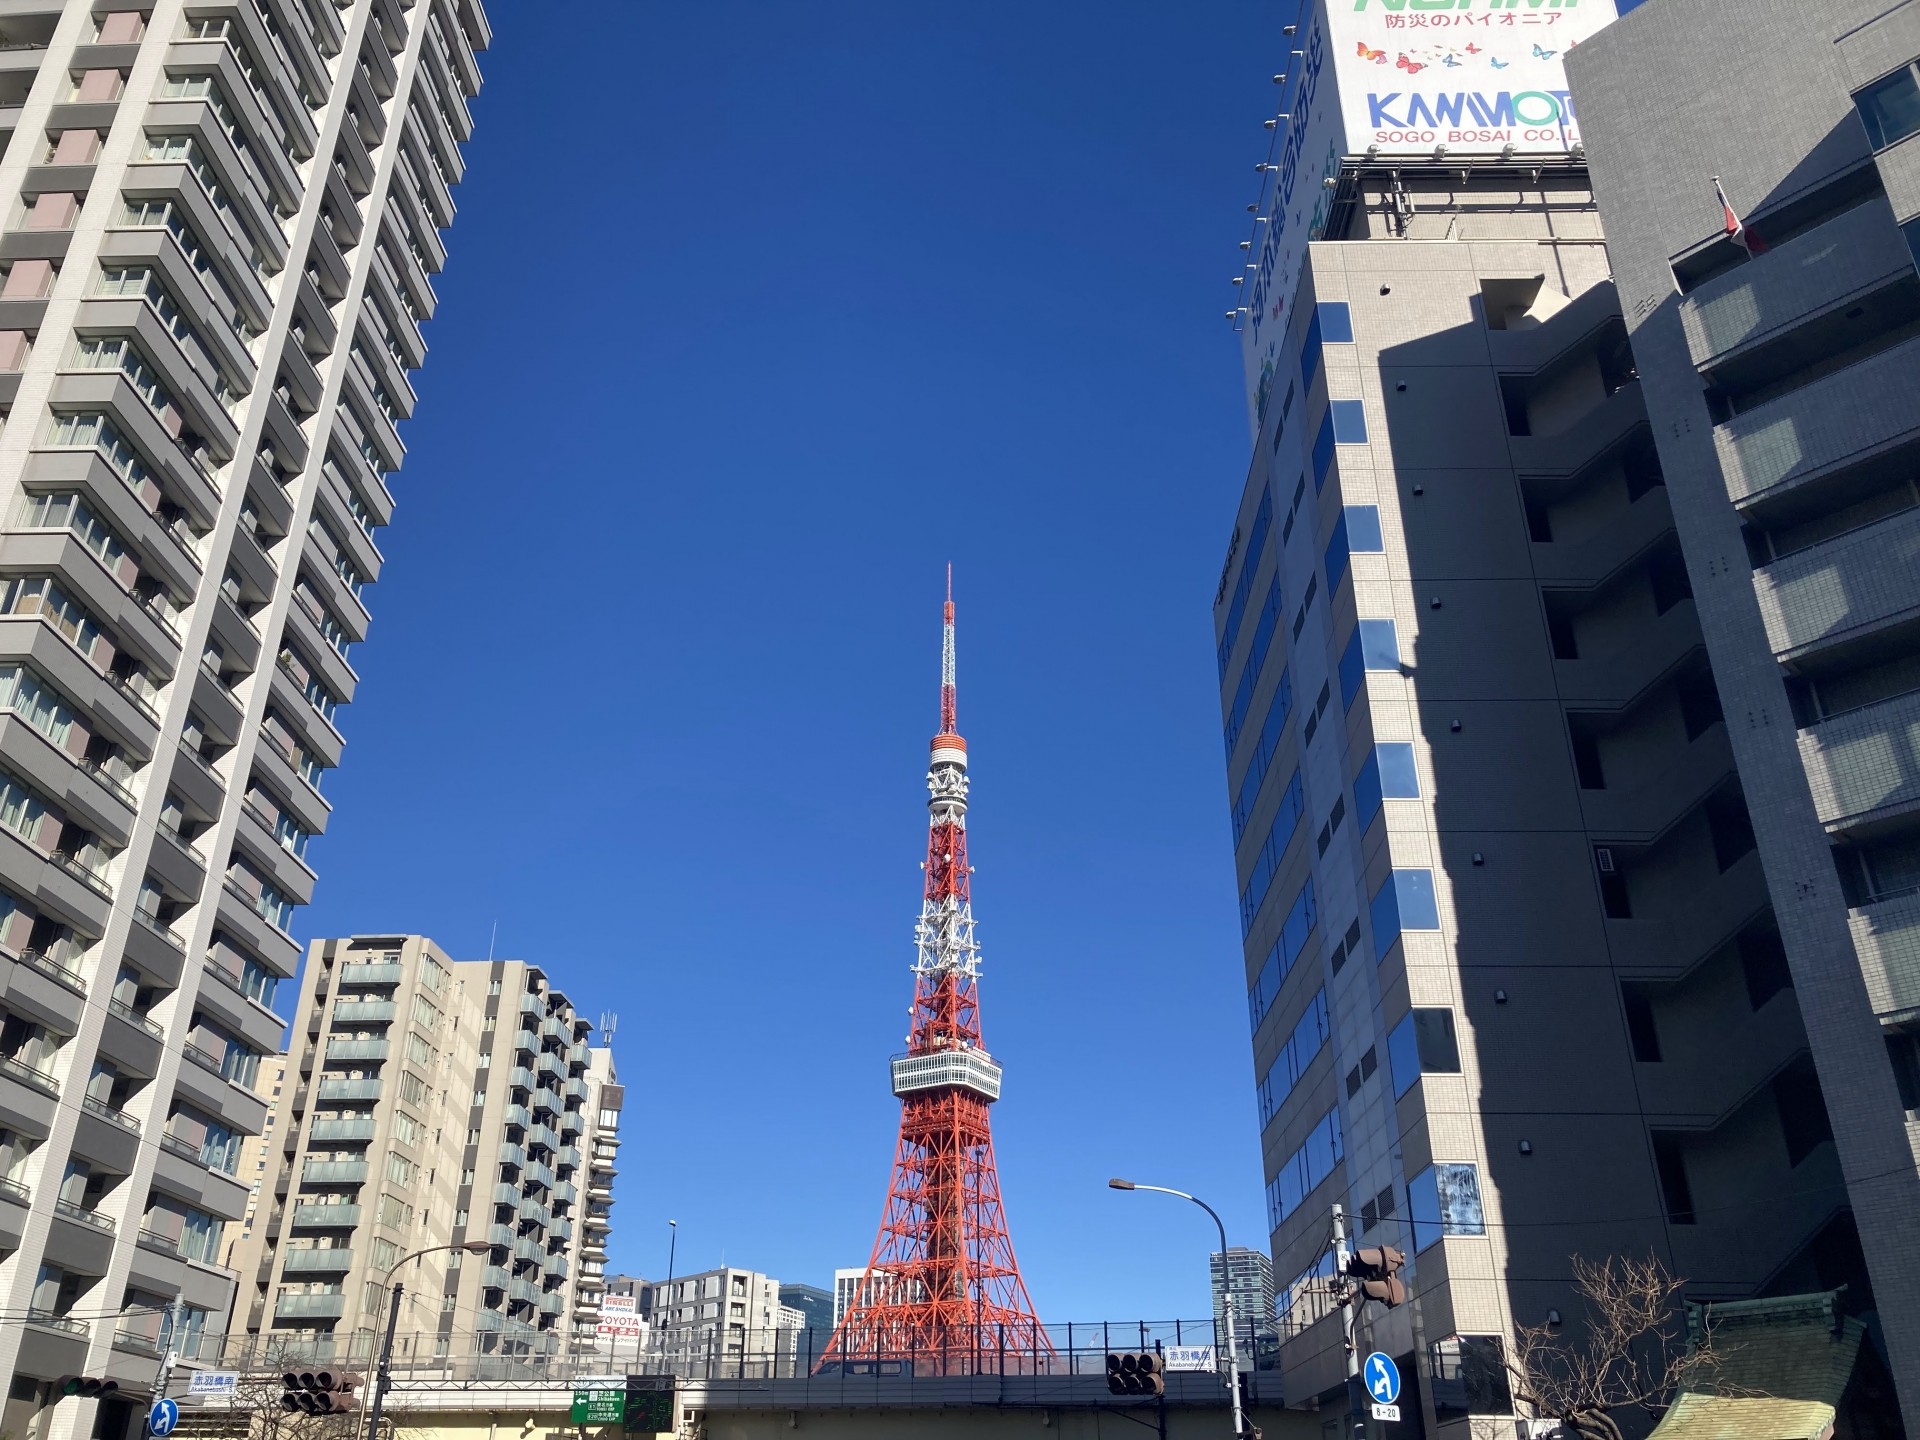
(1377, 1269)
(87, 1387)
(1135, 1373)
(319, 1392)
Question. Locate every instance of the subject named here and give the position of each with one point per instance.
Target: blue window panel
(1280, 959)
(1349, 421)
(1405, 902)
(1353, 671)
(1366, 792)
(1301, 1047)
(1403, 1056)
(1335, 321)
(1255, 662)
(1379, 644)
(1337, 553)
(1890, 108)
(1399, 776)
(1304, 1170)
(1387, 773)
(1279, 707)
(1279, 836)
(1444, 1199)
(1363, 529)
(1256, 547)
(1323, 452)
(1310, 353)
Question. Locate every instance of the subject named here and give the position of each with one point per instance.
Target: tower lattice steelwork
(942, 1288)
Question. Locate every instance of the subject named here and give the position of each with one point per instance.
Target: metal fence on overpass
(428, 1361)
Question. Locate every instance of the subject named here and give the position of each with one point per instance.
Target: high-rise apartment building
(1506, 931)
(814, 1304)
(599, 1147)
(1780, 375)
(434, 1103)
(723, 1315)
(220, 224)
(1245, 1276)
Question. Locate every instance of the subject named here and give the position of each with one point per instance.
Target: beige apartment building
(219, 223)
(429, 1104)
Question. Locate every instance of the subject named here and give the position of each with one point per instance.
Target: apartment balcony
(1858, 581)
(504, 1194)
(1865, 763)
(565, 1192)
(336, 1260)
(368, 1012)
(1838, 419)
(1886, 936)
(529, 1250)
(575, 1089)
(335, 1089)
(326, 1217)
(500, 1235)
(513, 1156)
(522, 1078)
(572, 1125)
(356, 1051)
(495, 1277)
(136, 1043)
(42, 988)
(335, 1172)
(289, 1306)
(518, 1115)
(368, 974)
(560, 1228)
(358, 1130)
(1792, 282)
(540, 1174)
(1668, 946)
(543, 1135)
(524, 1291)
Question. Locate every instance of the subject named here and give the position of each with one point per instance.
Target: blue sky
(757, 316)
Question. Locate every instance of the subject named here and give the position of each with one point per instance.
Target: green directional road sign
(599, 1405)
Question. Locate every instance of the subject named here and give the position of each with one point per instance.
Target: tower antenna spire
(942, 1286)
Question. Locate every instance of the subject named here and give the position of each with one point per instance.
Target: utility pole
(169, 1354)
(1349, 1324)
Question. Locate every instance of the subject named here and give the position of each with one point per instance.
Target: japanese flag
(1737, 230)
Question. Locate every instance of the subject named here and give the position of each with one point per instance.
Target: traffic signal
(1135, 1373)
(319, 1392)
(87, 1387)
(1377, 1268)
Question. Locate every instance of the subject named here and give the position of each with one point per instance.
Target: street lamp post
(673, 1240)
(1226, 1293)
(382, 1372)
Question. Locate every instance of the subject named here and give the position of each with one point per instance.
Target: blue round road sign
(162, 1418)
(1380, 1375)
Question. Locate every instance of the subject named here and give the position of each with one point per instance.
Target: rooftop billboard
(1403, 76)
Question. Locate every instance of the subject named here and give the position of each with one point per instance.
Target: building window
(1305, 1169)
(1323, 452)
(1287, 949)
(1335, 321)
(1389, 772)
(1890, 108)
(1303, 1045)
(1375, 645)
(1444, 1199)
(1349, 421)
(1423, 1043)
(1279, 836)
(1405, 902)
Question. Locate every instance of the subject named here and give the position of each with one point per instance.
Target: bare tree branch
(1629, 1350)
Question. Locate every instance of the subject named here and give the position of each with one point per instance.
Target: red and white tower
(943, 1288)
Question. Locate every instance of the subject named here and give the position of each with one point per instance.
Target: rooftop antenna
(609, 1021)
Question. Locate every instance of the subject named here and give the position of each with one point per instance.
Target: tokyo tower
(942, 1288)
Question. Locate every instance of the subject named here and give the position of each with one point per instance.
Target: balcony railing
(370, 974)
(326, 1217)
(106, 1112)
(70, 1211)
(53, 969)
(13, 1190)
(160, 928)
(133, 1017)
(334, 1172)
(356, 1050)
(349, 1090)
(348, 1130)
(309, 1260)
(323, 1306)
(137, 1343)
(205, 1059)
(160, 1244)
(48, 1320)
(29, 1076)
